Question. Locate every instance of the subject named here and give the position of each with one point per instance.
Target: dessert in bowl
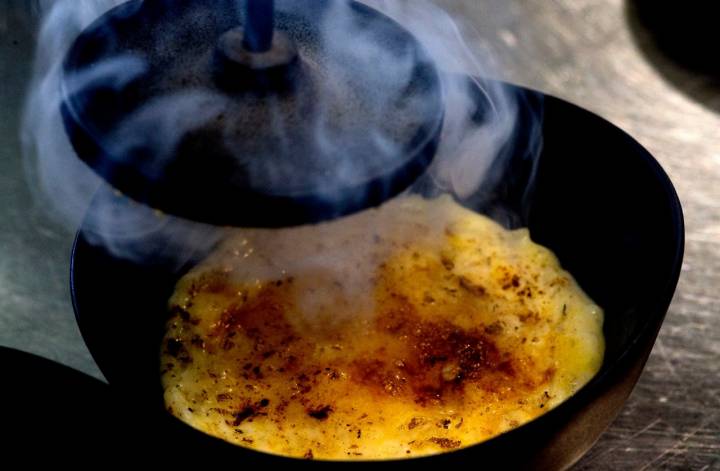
(598, 200)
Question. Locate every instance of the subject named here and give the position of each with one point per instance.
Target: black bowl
(51, 407)
(598, 200)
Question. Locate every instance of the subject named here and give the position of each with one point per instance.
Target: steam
(61, 182)
(69, 190)
(65, 186)
(167, 119)
(467, 149)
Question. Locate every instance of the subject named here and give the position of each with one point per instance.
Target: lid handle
(255, 57)
(259, 25)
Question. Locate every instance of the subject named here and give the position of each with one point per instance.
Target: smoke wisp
(470, 147)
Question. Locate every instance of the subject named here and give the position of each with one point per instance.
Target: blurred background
(650, 66)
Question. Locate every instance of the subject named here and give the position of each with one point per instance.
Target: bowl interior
(597, 199)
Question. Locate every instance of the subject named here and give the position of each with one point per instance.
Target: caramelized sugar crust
(411, 343)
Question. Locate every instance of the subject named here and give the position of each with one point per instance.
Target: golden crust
(421, 335)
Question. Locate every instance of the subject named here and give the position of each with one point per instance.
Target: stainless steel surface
(35, 310)
(587, 51)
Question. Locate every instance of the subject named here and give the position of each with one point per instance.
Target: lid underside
(144, 108)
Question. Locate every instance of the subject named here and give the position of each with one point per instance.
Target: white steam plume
(66, 186)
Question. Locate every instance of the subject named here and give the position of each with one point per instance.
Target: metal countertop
(590, 52)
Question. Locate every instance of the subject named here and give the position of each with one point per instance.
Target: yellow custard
(411, 329)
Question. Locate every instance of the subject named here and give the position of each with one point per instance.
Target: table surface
(591, 52)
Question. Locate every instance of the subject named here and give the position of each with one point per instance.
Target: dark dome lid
(158, 101)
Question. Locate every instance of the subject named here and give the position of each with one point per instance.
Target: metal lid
(159, 101)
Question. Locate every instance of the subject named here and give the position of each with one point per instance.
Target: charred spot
(282, 406)
(214, 281)
(308, 455)
(444, 423)
(223, 397)
(287, 340)
(246, 413)
(398, 318)
(472, 287)
(291, 363)
(176, 349)
(173, 347)
(470, 351)
(447, 262)
(320, 413)
(261, 318)
(415, 422)
(432, 360)
(179, 312)
(428, 394)
(511, 282)
(438, 358)
(249, 411)
(548, 375)
(507, 368)
(376, 374)
(304, 383)
(529, 318)
(494, 329)
(445, 443)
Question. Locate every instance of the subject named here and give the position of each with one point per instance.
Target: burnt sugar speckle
(416, 328)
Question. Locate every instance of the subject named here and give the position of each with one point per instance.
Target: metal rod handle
(259, 25)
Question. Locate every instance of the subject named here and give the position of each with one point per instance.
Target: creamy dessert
(412, 329)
